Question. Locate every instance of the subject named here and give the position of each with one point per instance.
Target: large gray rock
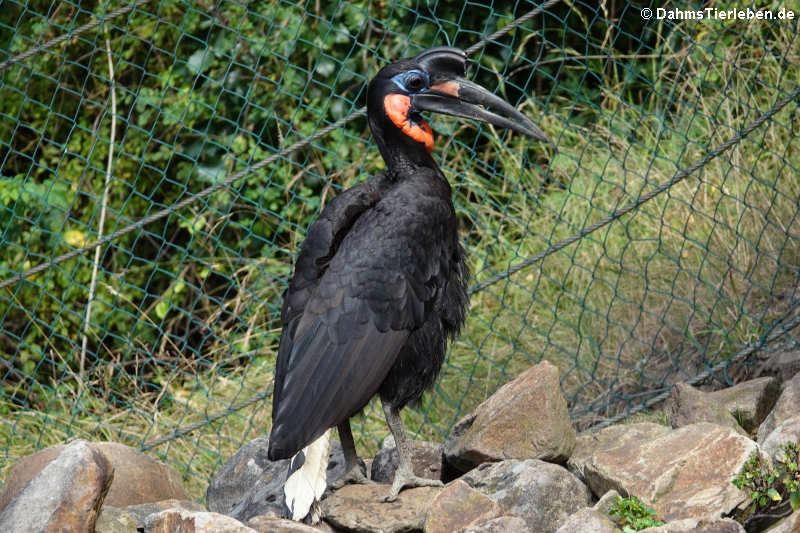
(264, 524)
(65, 496)
(137, 477)
(143, 510)
(694, 525)
(790, 524)
(543, 494)
(617, 436)
(688, 405)
(749, 402)
(502, 524)
(115, 520)
(132, 518)
(783, 364)
(588, 520)
(183, 521)
(741, 407)
(787, 431)
(249, 484)
(459, 506)
(685, 473)
(361, 509)
(526, 418)
(426, 458)
(785, 408)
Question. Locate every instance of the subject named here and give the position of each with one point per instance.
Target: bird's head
(432, 81)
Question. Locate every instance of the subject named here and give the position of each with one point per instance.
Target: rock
(621, 435)
(425, 456)
(749, 402)
(543, 494)
(183, 521)
(268, 524)
(526, 418)
(65, 496)
(137, 477)
(684, 473)
(503, 524)
(603, 505)
(459, 506)
(688, 405)
(694, 525)
(143, 510)
(785, 407)
(790, 524)
(249, 484)
(115, 520)
(782, 365)
(588, 520)
(361, 509)
(787, 431)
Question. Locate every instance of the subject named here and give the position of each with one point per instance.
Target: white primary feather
(307, 484)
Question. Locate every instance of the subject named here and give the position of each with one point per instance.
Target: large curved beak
(462, 98)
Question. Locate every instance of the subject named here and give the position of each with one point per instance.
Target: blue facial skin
(400, 80)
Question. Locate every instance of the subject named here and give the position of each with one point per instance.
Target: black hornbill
(381, 282)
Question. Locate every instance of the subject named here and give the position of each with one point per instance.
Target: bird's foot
(405, 480)
(356, 474)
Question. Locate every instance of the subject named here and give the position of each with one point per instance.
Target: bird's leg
(353, 467)
(404, 475)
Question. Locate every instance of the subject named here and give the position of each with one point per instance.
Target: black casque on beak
(451, 93)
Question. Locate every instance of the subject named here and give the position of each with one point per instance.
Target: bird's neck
(401, 153)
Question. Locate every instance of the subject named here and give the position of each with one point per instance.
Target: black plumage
(380, 283)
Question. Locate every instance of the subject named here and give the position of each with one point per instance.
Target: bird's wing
(338, 350)
(322, 241)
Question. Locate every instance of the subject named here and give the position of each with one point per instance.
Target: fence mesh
(657, 241)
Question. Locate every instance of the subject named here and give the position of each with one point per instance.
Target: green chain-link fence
(658, 241)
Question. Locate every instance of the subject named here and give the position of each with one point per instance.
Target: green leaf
(774, 495)
(794, 500)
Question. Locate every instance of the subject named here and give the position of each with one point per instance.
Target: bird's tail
(306, 481)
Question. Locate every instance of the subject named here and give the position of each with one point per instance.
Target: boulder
(361, 509)
(65, 495)
(526, 418)
(115, 520)
(143, 510)
(790, 524)
(543, 494)
(183, 521)
(249, 484)
(605, 503)
(684, 473)
(268, 524)
(783, 364)
(502, 524)
(694, 525)
(426, 458)
(459, 506)
(137, 477)
(588, 520)
(785, 408)
(688, 405)
(620, 435)
(749, 402)
(787, 431)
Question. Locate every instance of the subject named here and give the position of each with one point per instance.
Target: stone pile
(515, 464)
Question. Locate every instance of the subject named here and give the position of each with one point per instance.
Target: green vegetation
(184, 320)
(772, 485)
(632, 514)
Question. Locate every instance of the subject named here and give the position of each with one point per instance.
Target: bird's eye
(415, 81)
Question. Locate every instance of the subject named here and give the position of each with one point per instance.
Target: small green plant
(632, 514)
(772, 485)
